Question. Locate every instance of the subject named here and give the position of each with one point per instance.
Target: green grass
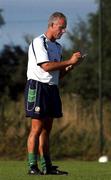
(78, 170)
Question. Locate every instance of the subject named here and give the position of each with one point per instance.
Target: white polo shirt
(43, 50)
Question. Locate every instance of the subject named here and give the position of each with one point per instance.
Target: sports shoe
(53, 171)
(34, 171)
(54, 167)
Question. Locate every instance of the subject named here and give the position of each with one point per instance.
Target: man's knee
(35, 131)
(36, 127)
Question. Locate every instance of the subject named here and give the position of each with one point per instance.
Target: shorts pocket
(32, 93)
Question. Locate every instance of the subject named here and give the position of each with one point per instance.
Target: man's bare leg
(44, 146)
(32, 143)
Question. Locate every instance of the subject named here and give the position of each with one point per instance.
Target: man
(42, 100)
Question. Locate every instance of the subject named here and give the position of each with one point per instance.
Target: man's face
(58, 28)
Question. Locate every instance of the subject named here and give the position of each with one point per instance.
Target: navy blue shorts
(42, 100)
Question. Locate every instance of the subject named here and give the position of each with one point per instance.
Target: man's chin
(58, 37)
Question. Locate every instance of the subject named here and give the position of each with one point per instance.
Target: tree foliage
(83, 79)
(85, 37)
(13, 63)
(2, 21)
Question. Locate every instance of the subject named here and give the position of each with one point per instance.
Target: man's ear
(52, 24)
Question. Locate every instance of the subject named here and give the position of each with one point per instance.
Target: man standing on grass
(42, 100)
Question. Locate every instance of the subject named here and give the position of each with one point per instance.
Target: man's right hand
(75, 58)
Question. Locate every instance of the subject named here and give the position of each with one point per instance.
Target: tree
(13, 63)
(80, 80)
(106, 43)
(84, 37)
(2, 21)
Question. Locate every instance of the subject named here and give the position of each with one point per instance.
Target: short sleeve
(40, 51)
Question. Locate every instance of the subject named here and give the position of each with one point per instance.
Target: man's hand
(75, 58)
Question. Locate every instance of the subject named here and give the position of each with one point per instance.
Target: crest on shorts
(37, 109)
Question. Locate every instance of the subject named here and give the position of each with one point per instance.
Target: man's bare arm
(53, 66)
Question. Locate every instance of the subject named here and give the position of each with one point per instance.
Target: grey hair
(54, 17)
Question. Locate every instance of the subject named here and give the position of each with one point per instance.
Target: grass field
(78, 170)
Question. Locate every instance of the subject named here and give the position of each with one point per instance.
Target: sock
(48, 160)
(45, 162)
(32, 159)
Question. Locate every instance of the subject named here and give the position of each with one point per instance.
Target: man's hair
(54, 17)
